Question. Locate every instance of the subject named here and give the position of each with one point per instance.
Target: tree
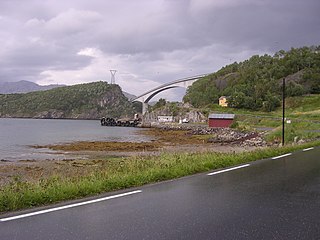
(161, 102)
(271, 102)
(202, 93)
(294, 89)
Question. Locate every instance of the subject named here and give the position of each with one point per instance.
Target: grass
(302, 108)
(125, 173)
(302, 104)
(303, 112)
(298, 130)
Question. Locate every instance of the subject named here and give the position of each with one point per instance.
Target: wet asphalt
(270, 199)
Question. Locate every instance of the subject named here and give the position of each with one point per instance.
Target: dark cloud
(151, 41)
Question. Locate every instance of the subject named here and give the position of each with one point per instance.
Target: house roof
(224, 97)
(221, 116)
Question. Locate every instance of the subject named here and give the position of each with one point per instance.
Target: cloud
(149, 42)
(72, 22)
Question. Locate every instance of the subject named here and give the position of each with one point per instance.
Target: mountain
(27, 86)
(129, 96)
(24, 87)
(82, 101)
(256, 83)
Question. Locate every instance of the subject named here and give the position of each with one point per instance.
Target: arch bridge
(147, 96)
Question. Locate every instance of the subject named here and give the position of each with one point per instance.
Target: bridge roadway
(275, 198)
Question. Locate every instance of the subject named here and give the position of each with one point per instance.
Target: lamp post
(283, 107)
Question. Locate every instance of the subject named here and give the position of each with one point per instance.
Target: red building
(220, 120)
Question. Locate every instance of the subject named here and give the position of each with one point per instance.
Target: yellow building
(223, 101)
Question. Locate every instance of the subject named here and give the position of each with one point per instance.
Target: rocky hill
(83, 101)
(256, 83)
(24, 86)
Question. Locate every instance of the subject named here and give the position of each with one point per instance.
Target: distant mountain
(24, 87)
(82, 101)
(129, 96)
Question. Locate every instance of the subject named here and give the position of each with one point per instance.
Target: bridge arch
(147, 96)
(157, 92)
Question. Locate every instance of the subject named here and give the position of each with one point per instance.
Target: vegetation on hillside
(164, 107)
(256, 83)
(86, 101)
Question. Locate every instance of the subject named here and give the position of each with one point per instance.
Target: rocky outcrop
(82, 101)
(179, 111)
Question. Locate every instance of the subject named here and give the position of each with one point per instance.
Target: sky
(148, 42)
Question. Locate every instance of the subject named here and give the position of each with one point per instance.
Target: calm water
(16, 135)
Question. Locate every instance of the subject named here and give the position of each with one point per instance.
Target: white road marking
(229, 169)
(69, 206)
(308, 149)
(281, 156)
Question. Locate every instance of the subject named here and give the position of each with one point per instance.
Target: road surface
(276, 198)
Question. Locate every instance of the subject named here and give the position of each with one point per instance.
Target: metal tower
(113, 76)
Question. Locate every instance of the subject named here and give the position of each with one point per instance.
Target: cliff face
(83, 101)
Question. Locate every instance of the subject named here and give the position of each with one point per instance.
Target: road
(269, 199)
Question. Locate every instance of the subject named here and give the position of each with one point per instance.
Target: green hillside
(256, 84)
(83, 101)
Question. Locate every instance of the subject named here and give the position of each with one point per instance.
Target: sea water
(18, 135)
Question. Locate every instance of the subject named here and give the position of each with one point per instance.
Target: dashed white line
(229, 169)
(281, 156)
(308, 149)
(68, 206)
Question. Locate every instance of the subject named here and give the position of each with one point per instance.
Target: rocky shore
(222, 136)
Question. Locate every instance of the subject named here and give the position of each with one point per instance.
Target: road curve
(276, 198)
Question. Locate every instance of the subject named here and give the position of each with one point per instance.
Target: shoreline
(86, 157)
(91, 177)
(171, 154)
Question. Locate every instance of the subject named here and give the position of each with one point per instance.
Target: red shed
(220, 120)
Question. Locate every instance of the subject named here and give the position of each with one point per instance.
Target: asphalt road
(269, 199)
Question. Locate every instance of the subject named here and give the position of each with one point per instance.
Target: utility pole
(283, 107)
(113, 76)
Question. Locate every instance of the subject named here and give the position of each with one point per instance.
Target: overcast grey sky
(148, 42)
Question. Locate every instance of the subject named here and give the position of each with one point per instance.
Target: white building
(164, 119)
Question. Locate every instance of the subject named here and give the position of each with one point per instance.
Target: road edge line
(229, 169)
(308, 149)
(281, 156)
(69, 206)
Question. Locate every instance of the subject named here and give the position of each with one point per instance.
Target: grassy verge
(298, 130)
(302, 108)
(124, 173)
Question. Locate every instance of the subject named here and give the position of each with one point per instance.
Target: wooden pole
(283, 107)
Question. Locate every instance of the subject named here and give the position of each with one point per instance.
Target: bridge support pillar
(144, 108)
